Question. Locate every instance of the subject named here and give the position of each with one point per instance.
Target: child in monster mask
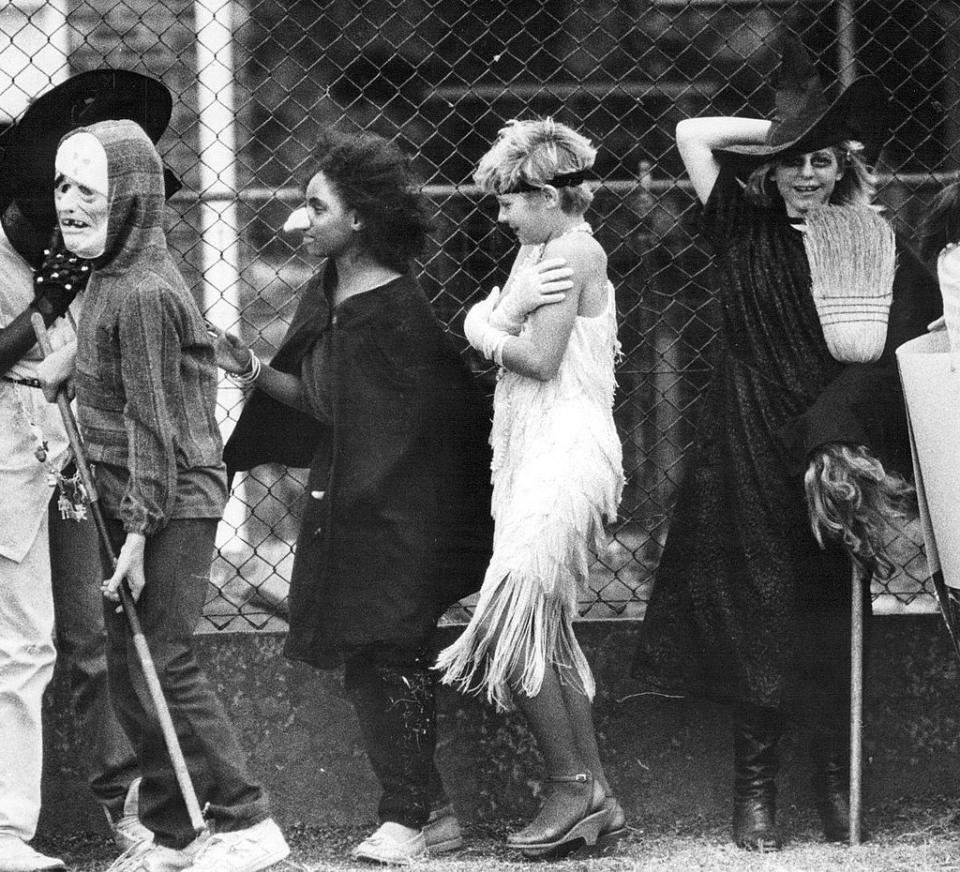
(146, 391)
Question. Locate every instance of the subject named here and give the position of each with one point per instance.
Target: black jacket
(403, 528)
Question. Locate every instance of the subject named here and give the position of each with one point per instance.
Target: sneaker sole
(267, 862)
(401, 861)
(443, 847)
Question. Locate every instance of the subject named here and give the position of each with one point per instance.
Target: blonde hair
(851, 497)
(855, 187)
(533, 152)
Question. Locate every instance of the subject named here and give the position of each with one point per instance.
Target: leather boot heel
(613, 830)
(831, 787)
(754, 825)
(566, 816)
(615, 826)
(757, 733)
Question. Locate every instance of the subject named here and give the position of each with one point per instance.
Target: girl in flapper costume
(557, 474)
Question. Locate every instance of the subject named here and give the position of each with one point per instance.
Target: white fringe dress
(557, 476)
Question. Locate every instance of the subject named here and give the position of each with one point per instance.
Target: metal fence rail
(255, 82)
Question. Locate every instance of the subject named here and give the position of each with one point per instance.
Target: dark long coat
(397, 522)
(746, 606)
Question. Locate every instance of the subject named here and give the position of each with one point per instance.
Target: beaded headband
(561, 180)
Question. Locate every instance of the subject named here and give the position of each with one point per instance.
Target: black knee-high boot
(827, 713)
(396, 707)
(756, 739)
(831, 787)
(831, 783)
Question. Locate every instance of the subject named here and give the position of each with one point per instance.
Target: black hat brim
(860, 113)
(30, 145)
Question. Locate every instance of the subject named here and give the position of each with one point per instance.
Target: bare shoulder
(581, 251)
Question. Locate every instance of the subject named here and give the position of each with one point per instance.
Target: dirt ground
(903, 835)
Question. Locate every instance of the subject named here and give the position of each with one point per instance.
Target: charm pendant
(72, 502)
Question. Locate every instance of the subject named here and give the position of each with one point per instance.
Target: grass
(906, 835)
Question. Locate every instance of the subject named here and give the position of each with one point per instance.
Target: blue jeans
(177, 566)
(81, 650)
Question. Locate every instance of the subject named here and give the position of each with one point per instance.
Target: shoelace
(125, 861)
(219, 847)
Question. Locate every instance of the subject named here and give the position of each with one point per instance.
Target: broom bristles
(852, 256)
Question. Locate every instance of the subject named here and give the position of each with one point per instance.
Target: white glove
(530, 288)
(487, 339)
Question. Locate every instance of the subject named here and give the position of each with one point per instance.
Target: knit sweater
(146, 373)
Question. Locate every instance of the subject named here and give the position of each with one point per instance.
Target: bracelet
(245, 379)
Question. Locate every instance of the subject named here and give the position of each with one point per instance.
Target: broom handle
(861, 577)
(129, 608)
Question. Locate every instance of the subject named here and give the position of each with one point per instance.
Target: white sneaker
(151, 857)
(247, 850)
(393, 844)
(17, 856)
(127, 829)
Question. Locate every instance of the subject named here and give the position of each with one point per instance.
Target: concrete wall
(667, 759)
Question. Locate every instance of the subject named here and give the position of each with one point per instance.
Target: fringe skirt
(549, 519)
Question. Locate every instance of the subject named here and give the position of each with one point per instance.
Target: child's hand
(56, 372)
(232, 355)
(129, 567)
(530, 288)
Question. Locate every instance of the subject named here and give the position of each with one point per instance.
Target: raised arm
(698, 137)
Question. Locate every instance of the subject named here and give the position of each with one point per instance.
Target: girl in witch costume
(557, 476)
(751, 602)
(370, 393)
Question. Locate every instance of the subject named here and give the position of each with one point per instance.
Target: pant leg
(26, 665)
(395, 700)
(437, 792)
(81, 646)
(177, 564)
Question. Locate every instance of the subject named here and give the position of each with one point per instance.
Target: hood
(136, 194)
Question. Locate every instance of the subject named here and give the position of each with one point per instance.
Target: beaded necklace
(73, 495)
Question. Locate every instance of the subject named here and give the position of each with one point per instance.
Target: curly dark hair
(372, 176)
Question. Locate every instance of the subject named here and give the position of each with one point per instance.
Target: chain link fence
(255, 82)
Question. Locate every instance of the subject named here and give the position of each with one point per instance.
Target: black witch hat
(806, 120)
(30, 145)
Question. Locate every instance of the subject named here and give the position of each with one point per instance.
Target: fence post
(220, 267)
